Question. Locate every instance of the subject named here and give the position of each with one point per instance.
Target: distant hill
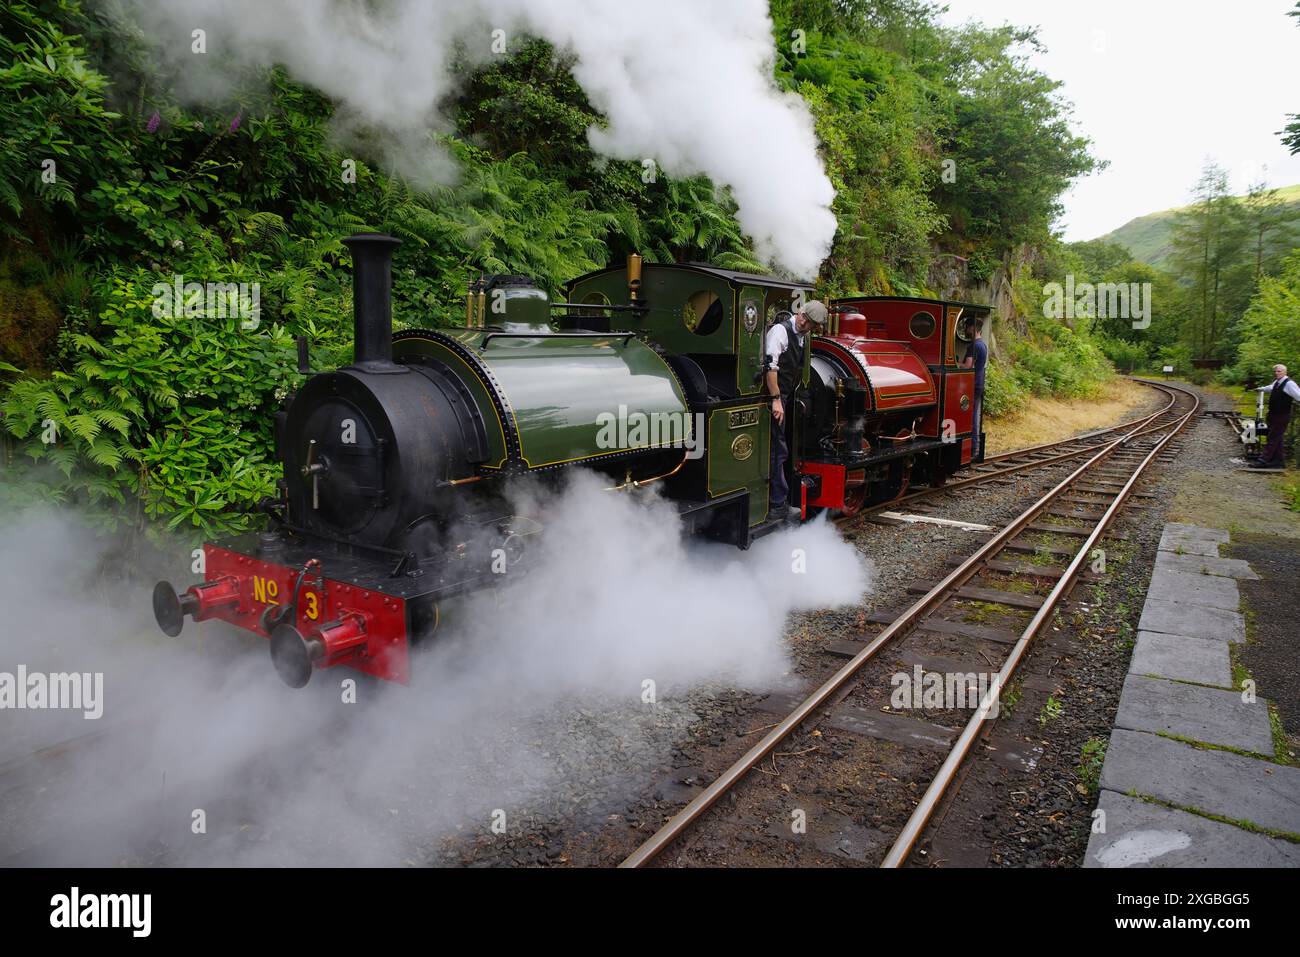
(1148, 237)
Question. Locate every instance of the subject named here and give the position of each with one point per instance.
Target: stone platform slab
(1229, 785)
(1204, 565)
(1180, 658)
(1169, 584)
(1200, 714)
(1195, 621)
(1141, 834)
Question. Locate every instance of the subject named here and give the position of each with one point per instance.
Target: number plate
(742, 418)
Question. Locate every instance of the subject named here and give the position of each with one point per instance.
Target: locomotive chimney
(372, 300)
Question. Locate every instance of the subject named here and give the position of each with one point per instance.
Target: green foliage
(1069, 366)
(1127, 356)
(1003, 393)
(1009, 135)
(1210, 241)
(52, 112)
(1271, 327)
(1092, 756)
(935, 139)
(150, 410)
(1291, 495)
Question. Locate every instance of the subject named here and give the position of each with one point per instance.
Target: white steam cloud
(529, 699)
(685, 83)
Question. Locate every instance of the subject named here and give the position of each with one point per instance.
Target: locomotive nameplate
(742, 418)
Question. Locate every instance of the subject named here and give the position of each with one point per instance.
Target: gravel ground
(1272, 654)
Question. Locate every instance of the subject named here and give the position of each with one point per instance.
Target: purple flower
(234, 124)
(154, 121)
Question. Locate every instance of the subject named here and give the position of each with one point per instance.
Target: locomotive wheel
(291, 654)
(854, 499)
(855, 494)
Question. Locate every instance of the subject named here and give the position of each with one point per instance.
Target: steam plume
(684, 83)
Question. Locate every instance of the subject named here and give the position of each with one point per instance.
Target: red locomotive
(889, 405)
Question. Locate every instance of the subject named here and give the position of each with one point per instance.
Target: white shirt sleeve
(777, 343)
(1292, 389)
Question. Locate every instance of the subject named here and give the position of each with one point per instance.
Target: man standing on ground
(977, 357)
(784, 347)
(1281, 396)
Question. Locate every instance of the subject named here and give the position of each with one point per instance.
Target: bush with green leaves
(1271, 327)
(150, 410)
(1127, 356)
(1003, 394)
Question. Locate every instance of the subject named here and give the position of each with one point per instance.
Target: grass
(1290, 493)
(1242, 823)
(1091, 758)
(1051, 711)
(1125, 639)
(1281, 747)
(1010, 698)
(981, 611)
(1043, 420)
(1040, 557)
(1021, 586)
(1206, 746)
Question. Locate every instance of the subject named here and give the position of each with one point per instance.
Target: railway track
(1063, 527)
(997, 468)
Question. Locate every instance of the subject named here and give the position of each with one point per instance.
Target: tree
(1271, 327)
(1210, 240)
(1010, 138)
(1266, 220)
(1097, 257)
(1291, 135)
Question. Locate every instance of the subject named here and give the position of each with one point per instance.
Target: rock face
(950, 278)
(29, 324)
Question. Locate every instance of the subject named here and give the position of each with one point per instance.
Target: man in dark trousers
(784, 347)
(977, 357)
(1282, 395)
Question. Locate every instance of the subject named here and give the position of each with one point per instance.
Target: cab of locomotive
(710, 325)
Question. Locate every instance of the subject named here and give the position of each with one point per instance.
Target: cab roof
(733, 276)
(979, 309)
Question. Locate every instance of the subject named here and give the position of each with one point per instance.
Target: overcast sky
(1159, 85)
